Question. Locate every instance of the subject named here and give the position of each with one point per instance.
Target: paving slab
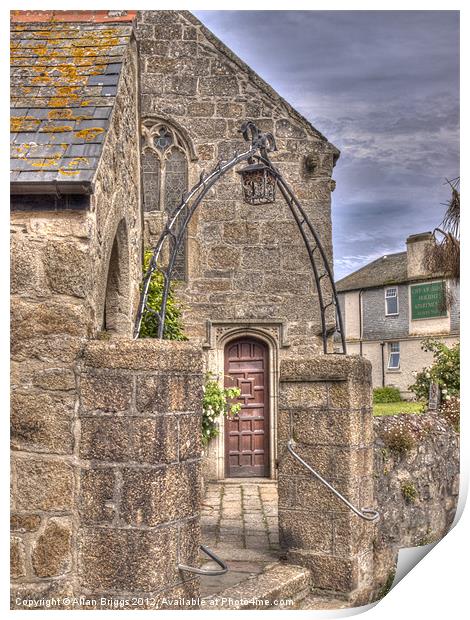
(235, 527)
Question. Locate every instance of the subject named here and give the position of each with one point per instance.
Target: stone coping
(329, 367)
(144, 354)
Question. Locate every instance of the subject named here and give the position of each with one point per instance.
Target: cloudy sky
(383, 86)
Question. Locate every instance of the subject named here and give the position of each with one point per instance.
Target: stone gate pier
(140, 457)
(326, 408)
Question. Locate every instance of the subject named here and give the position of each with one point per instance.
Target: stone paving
(240, 524)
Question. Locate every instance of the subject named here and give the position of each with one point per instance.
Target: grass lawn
(395, 408)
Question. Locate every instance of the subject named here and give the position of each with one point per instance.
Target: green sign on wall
(428, 300)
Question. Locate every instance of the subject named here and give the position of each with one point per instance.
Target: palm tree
(444, 255)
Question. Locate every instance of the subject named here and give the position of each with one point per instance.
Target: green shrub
(173, 329)
(387, 395)
(399, 439)
(401, 434)
(215, 403)
(445, 371)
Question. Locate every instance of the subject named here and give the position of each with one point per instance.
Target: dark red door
(247, 434)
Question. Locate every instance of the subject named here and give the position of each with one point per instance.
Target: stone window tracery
(165, 176)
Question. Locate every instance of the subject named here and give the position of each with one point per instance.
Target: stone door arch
(220, 334)
(116, 316)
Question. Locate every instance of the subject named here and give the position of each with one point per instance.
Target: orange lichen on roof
(67, 114)
(57, 115)
(52, 156)
(68, 70)
(66, 172)
(20, 149)
(76, 161)
(56, 78)
(55, 128)
(89, 134)
(59, 80)
(47, 163)
(60, 102)
(23, 124)
(96, 41)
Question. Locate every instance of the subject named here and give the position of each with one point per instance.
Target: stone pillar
(140, 475)
(326, 407)
(43, 465)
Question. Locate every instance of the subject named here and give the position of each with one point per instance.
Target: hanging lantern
(258, 184)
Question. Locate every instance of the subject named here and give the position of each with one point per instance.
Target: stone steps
(279, 582)
(313, 601)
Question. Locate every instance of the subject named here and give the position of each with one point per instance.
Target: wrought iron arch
(178, 220)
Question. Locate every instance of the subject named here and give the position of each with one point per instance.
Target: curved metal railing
(365, 513)
(201, 571)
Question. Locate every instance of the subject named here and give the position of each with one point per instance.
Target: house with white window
(390, 305)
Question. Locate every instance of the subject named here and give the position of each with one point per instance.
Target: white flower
(444, 391)
(447, 397)
(428, 376)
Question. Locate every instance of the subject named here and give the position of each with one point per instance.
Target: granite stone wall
(455, 308)
(117, 211)
(44, 475)
(244, 262)
(326, 408)
(417, 489)
(106, 475)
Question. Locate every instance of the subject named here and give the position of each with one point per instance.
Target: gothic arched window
(151, 178)
(165, 177)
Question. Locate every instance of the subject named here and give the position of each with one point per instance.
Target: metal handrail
(365, 513)
(201, 571)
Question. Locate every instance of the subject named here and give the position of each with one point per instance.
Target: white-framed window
(391, 301)
(393, 355)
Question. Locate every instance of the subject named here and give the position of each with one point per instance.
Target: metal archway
(178, 220)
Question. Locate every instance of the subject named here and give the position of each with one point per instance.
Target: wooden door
(247, 434)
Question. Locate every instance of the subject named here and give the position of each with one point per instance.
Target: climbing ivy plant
(173, 329)
(216, 402)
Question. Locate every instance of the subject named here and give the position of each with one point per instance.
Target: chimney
(416, 246)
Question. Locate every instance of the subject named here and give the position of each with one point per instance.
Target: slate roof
(64, 80)
(389, 269)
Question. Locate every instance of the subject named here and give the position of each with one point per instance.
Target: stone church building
(115, 115)
(169, 90)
